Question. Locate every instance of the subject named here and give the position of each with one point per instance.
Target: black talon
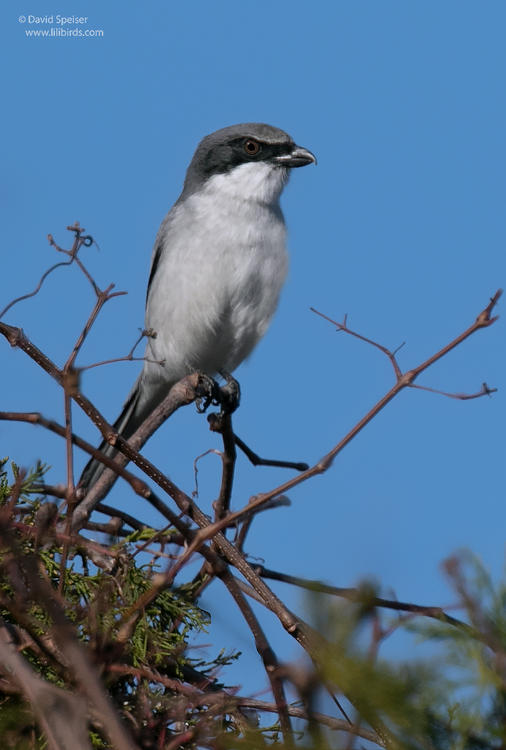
(208, 393)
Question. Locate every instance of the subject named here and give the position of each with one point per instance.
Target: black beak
(298, 157)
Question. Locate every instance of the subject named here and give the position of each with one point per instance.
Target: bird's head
(250, 160)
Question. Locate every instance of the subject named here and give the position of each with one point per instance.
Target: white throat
(256, 182)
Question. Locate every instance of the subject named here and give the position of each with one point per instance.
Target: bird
(218, 265)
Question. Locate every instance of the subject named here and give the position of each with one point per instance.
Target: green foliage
(137, 634)
(17, 729)
(454, 701)
(100, 587)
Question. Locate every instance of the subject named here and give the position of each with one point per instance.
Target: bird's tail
(126, 424)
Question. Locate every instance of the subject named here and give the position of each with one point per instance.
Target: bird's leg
(230, 393)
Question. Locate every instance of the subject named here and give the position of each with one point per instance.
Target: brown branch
(51, 490)
(265, 652)
(108, 510)
(364, 596)
(404, 380)
(112, 528)
(138, 486)
(222, 423)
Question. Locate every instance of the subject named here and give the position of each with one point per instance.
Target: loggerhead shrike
(218, 265)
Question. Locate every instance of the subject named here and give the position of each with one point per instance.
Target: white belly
(217, 284)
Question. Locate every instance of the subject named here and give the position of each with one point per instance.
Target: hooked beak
(298, 157)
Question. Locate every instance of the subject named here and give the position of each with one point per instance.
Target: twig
(344, 327)
(256, 460)
(130, 356)
(79, 240)
(484, 391)
(102, 297)
(404, 380)
(277, 502)
(37, 288)
(108, 510)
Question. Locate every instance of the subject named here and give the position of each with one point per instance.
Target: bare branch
(404, 380)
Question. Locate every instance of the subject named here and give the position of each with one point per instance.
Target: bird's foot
(230, 394)
(208, 393)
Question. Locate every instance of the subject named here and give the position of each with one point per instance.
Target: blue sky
(401, 225)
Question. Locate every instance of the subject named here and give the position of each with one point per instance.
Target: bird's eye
(251, 147)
